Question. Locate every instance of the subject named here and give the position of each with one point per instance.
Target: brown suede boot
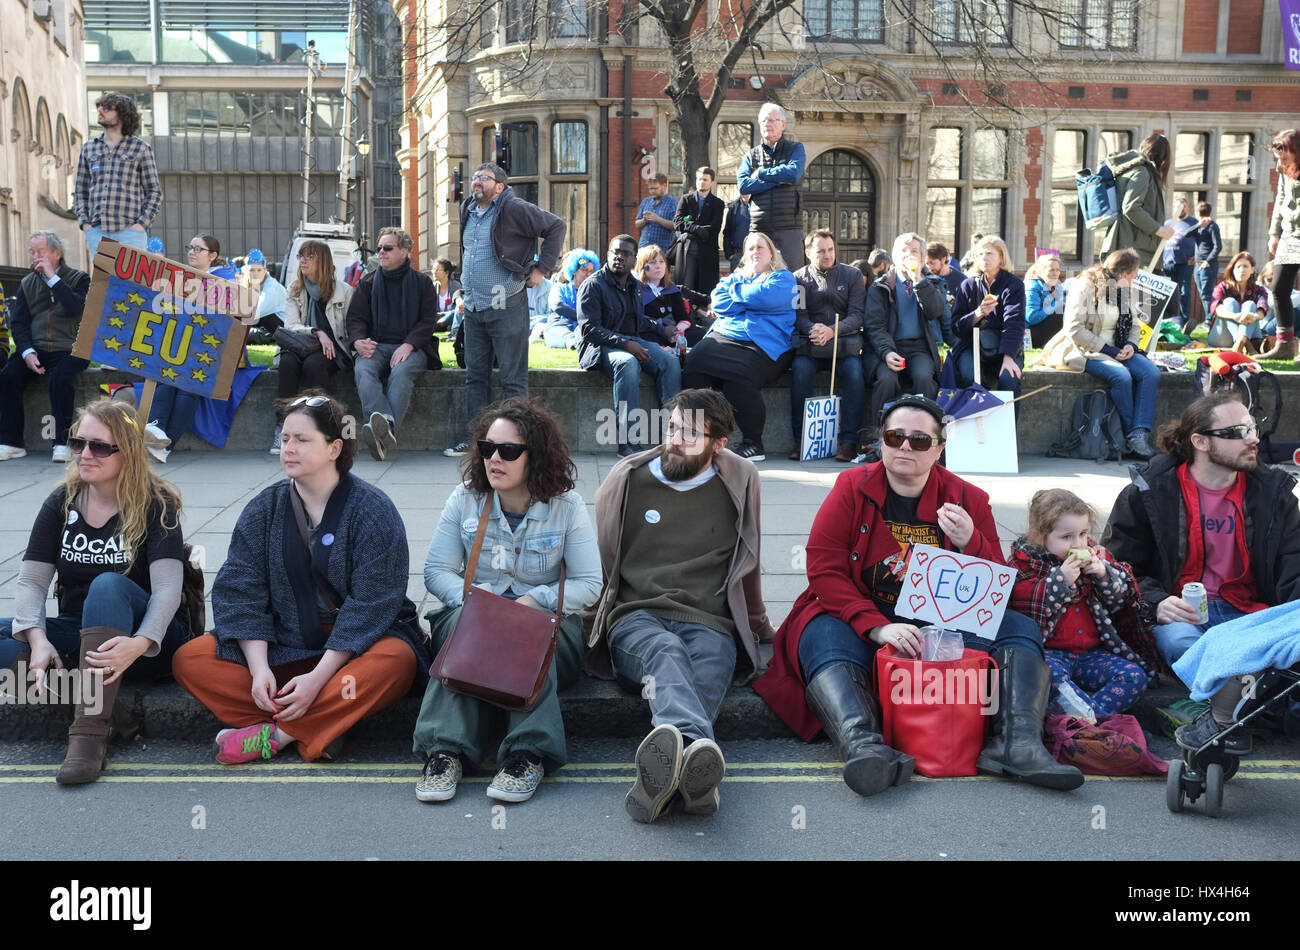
(88, 734)
(1283, 349)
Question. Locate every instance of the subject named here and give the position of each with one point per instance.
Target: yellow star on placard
(210, 340)
(204, 358)
(116, 322)
(169, 374)
(200, 319)
(166, 306)
(135, 362)
(111, 344)
(199, 375)
(121, 307)
(135, 299)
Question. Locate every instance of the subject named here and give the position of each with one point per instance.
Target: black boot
(841, 699)
(1017, 747)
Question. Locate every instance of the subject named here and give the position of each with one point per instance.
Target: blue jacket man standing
(770, 174)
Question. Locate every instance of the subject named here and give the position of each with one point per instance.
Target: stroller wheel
(1214, 790)
(1174, 794)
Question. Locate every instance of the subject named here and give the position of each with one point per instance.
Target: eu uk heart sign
(954, 591)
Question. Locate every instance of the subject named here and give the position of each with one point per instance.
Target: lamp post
(363, 150)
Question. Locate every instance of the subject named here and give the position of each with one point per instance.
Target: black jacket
(882, 311)
(695, 263)
(602, 308)
(360, 322)
(1148, 529)
(840, 290)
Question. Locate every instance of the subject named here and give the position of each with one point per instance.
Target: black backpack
(1096, 431)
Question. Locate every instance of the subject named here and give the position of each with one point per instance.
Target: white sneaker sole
(658, 770)
(383, 434)
(514, 798)
(435, 795)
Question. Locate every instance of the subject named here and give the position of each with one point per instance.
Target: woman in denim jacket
(519, 464)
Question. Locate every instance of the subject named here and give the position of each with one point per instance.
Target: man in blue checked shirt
(118, 193)
(655, 215)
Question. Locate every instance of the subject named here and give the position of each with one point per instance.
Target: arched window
(839, 187)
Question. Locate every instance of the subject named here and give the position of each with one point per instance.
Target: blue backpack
(1098, 202)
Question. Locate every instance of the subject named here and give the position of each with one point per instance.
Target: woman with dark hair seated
(858, 550)
(749, 344)
(314, 631)
(518, 464)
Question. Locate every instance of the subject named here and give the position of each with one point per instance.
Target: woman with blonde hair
(1044, 299)
(1101, 337)
(994, 301)
(749, 344)
(110, 537)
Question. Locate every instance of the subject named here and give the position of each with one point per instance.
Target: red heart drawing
(916, 578)
(996, 597)
(1003, 578)
(921, 557)
(917, 601)
(983, 616)
(973, 578)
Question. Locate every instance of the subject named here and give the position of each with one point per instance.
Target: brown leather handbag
(500, 651)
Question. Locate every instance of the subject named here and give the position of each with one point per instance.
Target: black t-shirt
(885, 578)
(81, 553)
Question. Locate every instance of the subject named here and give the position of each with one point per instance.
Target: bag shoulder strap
(300, 516)
(471, 566)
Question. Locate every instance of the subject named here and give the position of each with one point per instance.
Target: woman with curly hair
(110, 537)
(519, 465)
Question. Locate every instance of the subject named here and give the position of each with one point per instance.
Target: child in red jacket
(1087, 604)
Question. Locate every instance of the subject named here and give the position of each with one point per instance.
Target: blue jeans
(173, 409)
(1174, 639)
(370, 373)
(625, 369)
(853, 393)
(1250, 331)
(1133, 386)
(114, 600)
(826, 640)
(1181, 274)
(1206, 278)
(128, 236)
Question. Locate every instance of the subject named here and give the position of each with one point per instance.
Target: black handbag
(850, 345)
(301, 345)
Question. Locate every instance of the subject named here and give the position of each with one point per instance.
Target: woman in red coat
(857, 552)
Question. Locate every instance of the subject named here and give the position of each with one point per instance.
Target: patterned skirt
(1288, 250)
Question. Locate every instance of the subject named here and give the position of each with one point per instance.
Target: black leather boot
(840, 697)
(1017, 749)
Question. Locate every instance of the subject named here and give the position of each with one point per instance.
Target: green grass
(1198, 337)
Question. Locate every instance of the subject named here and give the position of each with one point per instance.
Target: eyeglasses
(313, 402)
(1232, 432)
(919, 441)
(509, 451)
(688, 436)
(98, 449)
(196, 248)
(483, 177)
(388, 247)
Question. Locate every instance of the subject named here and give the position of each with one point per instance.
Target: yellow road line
(392, 766)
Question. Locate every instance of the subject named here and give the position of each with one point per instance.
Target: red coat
(848, 534)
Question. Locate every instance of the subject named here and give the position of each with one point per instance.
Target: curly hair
(551, 471)
(127, 111)
(1048, 505)
(139, 491)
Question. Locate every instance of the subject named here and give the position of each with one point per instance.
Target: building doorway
(839, 194)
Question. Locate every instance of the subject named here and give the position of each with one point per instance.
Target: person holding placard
(994, 301)
(1102, 338)
(857, 554)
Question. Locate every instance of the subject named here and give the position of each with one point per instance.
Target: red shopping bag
(937, 711)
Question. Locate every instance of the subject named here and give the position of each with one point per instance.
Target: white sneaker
(153, 434)
(8, 452)
(275, 443)
(159, 453)
(61, 454)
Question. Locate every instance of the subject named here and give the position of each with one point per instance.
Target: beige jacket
(743, 584)
(1087, 329)
(336, 310)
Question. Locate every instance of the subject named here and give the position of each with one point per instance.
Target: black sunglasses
(314, 402)
(509, 451)
(388, 247)
(100, 450)
(920, 442)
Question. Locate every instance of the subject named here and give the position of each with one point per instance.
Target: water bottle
(1072, 704)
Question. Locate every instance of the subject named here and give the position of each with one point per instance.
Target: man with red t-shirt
(1206, 511)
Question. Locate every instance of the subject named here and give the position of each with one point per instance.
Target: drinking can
(1195, 595)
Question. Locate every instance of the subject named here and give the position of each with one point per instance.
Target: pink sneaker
(249, 744)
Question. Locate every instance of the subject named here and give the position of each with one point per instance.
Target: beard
(1236, 461)
(680, 468)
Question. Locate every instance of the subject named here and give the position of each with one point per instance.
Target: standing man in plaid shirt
(118, 193)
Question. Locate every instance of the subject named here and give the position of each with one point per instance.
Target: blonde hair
(645, 256)
(778, 262)
(137, 489)
(994, 241)
(1038, 269)
(1048, 505)
(319, 252)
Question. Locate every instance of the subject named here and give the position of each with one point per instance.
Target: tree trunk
(693, 117)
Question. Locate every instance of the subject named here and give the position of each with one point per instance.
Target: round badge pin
(652, 516)
(72, 517)
(327, 539)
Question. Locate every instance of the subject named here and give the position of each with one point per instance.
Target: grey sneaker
(382, 426)
(275, 442)
(518, 779)
(658, 769)
(1139, 444)
(1205, 730)
(703, 769)
(442, 774)
(457, 450)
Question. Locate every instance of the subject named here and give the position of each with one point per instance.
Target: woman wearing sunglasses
(110, 537)
(518, 463)
(1284, 239)
(313, 629)
(858, 550)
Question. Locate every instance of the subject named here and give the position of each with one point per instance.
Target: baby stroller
(1204, 770)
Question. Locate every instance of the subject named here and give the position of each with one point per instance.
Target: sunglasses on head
(1232, 432)
(509, 451)
(98, 449)
(313, 402)
(920, 442)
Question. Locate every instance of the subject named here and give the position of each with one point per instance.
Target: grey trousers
(370, 374)
(684, 669)
(501, 333)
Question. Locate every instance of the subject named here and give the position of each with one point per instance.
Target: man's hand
(638, 350)
(1165, 232)
(1176, 610)
(44, 267)
(136, 227)
(401, 354)
(895, 362)
(366, 347)
(535, 277)
(34, 364)
(86, 227)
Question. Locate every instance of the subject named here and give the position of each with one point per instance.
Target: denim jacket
(525, 561)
